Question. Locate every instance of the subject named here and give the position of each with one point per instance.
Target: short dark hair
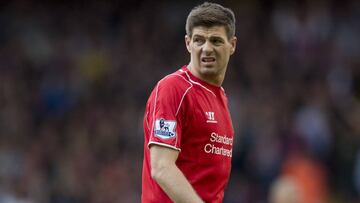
(211, 14)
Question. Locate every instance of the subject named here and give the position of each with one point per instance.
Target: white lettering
(212, 149)
(207, 148)
(214, 137)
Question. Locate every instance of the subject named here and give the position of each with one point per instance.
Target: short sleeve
(166, 122)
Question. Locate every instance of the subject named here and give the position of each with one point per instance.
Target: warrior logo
(210, 117)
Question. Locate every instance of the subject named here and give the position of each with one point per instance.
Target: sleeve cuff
(163, 145)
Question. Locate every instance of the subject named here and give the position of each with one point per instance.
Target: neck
(213, 79)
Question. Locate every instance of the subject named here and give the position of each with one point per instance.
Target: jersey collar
(212, 87)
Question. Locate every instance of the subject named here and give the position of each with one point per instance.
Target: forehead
(218, 31)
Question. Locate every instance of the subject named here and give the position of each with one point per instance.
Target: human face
(210, 50)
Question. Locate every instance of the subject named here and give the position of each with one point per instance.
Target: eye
(198, 40)
(217, 41)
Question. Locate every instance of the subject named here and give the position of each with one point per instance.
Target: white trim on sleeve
(163, 145)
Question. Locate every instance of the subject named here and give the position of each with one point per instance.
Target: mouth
(208, 60)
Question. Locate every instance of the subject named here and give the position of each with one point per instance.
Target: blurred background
(75, 77)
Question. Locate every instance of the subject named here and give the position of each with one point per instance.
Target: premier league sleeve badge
(165, 129)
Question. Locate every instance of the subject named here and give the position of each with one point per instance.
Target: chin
(209, 71)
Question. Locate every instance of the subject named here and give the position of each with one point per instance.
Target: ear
(233, 45)
(187, 43)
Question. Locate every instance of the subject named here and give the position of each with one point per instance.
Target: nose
(207, 48)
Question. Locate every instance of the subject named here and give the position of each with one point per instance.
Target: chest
(210, 111)
(208, 128)
(208, 114)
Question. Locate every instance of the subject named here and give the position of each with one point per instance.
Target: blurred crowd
(74, 79)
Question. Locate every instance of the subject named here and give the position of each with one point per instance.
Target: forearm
(175, 185)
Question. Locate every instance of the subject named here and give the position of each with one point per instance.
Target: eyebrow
(217, 37)
(211, 37)
(198, 36)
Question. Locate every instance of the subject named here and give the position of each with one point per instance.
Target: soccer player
(187, 126)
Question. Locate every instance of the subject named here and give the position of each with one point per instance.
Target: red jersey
(189, 115)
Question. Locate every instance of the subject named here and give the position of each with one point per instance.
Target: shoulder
(172, 89)
(176, 81)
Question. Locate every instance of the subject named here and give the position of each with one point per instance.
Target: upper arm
(162, 155)
(162, 158)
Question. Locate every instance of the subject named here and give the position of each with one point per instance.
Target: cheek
(195, 52)
(226, 53)
(223, 56)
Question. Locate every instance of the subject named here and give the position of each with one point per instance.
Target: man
(190, 160)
